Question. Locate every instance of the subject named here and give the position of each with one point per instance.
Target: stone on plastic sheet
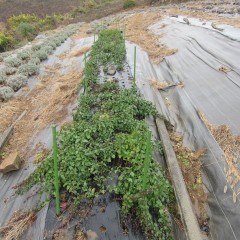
(11, 163)
(111, 70)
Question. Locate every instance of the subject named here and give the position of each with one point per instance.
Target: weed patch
(109, 136)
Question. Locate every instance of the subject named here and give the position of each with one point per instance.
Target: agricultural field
(119, 120)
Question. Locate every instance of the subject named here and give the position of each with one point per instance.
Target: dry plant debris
(75, 53)
(158, 84)
(224, 69)
(137, 31)
(191, 168)
(82, 33)
(18, 223)
(46, 104)
(230, 144)
(206, 16)
(80, 235)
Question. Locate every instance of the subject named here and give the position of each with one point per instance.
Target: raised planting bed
(106, 161)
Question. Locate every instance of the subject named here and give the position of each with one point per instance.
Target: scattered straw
(137, 31)
(203, 15)
(82, 33)
(224, 69)
(16, 226)
(230, 144)
(191, 164)
(46, 104)
(75, 53)
(163, 85)
(158, 84)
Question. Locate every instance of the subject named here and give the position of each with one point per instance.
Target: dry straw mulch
(46, 104)
(191, 167)
(17, 225)
(230, 144)
(137, 31)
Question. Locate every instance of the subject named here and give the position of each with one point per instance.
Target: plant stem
(56, 177)
(135, 61)
(147, 161)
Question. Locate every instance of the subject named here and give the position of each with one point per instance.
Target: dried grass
(46, 104)
(75, 53)
(16, 226)
(80, 235)
(206, 16)
(137, 31)
(82, 33)
(230, 144)
(224, 69)
(191, 165)
(158, 84)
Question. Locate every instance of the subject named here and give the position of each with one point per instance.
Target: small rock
(40, 36)
(89, 31)
(91, 235)
(11, 163)
(215, 27)
(174, 16)
(111, 70)
(186, 20)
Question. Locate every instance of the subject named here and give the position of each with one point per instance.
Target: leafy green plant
(16, 82)
(10, 70)
(5, 41)
(41, 55)
(28, 69)
(26, 29)
(129, 4)
(24, 54)
(13, 61)
(34, 60)
(3, 76)
(6, 93)
(109, 135)
(15, 21)
(3, 56)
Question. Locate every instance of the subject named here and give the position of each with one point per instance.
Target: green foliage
(4, 55)
(109, 134)
(34, 60)
(40, 54)
(36, 47)
(3, 76)
(129, 4)
(10, 70)
(26, 29)
(46, 48)
(16, 82)
(5, 41)
(6, 93)
(24, 54)
(15, 21)
(49, 22)
(13, 61)
(28, 69)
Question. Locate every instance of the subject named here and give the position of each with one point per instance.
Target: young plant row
(108, 140)
(25, 63)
